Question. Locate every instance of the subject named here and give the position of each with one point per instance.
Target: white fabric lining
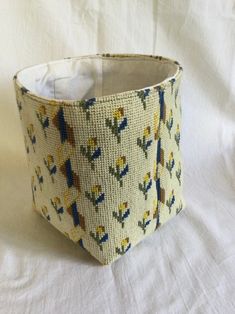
(94, 76)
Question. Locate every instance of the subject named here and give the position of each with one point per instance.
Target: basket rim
(105, 98)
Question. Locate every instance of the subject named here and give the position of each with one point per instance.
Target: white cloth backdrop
(188, 266)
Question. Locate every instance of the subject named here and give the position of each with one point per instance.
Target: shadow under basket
(102, 136)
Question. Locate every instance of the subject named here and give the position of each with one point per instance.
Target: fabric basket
(102, 136)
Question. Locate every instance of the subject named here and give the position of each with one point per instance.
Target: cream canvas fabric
(102, 136)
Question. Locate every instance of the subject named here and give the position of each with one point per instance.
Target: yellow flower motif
(42, 110)
(119, 113)
(178, 129)
(123, 206)
(57, 200)
(50, 159)
(146, 214)
(121, 161)
(92, 142)
(147, 131)
(31, 128)
(124, 242)
(147, 177)
(100, 229)
(171, 156)
(96, 189)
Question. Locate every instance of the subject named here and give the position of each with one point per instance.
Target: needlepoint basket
(102, 137)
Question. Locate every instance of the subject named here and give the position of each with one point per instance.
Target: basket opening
(95, 76)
